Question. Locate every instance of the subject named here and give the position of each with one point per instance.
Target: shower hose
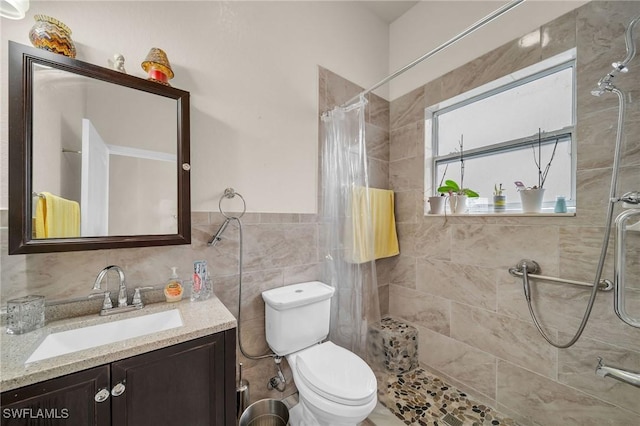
(282, 383)
(607, 233)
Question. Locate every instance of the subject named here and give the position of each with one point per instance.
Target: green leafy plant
(451, 187)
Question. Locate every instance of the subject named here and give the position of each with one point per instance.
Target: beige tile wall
(279, 249)
(451, 278)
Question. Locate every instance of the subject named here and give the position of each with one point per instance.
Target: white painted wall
(429, 24)
(251, 68)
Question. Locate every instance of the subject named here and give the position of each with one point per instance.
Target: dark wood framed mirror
(113, 146)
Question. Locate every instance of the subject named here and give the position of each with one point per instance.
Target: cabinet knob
(102, 395)
(118, 389)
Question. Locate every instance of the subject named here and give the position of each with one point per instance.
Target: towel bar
(604, 285)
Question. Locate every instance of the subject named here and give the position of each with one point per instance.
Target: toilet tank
(297, 316)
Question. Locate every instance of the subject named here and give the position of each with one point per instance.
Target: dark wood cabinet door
(185, 384)
(64, 401)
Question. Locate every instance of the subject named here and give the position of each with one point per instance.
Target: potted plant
(532, 197)
(458, 194)
(436, 202)
(499, 200)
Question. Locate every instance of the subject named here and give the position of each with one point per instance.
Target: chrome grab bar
(620, 266)
(625, 376)
(604, 285)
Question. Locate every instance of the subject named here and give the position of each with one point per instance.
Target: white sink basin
(78, 339)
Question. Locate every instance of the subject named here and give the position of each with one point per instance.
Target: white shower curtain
(344, 172)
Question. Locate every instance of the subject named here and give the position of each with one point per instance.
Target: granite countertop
(199, 319)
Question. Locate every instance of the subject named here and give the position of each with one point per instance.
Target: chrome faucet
(630, 377)
(122, 293)
(123, 306)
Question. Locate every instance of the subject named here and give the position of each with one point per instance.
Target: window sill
(510, 214)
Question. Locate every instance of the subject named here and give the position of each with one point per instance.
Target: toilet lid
(337, 374)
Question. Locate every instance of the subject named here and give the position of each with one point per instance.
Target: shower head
(218, 235)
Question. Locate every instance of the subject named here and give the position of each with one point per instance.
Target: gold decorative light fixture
(157, 65)
(13, 9)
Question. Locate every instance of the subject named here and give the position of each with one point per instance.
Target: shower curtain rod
(498, 12)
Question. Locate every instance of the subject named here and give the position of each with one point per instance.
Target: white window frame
(541, 69)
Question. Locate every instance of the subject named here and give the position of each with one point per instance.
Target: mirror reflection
(106, 150)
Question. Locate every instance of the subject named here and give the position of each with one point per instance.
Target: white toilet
(335, 386)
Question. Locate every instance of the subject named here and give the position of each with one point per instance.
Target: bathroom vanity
(185, 375)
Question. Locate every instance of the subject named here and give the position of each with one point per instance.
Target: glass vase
(50, 34)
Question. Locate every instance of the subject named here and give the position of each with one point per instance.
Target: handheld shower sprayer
(218, 235)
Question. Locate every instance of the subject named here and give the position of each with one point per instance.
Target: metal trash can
(266, 412)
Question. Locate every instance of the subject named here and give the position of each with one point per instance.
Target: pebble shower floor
(419, 398)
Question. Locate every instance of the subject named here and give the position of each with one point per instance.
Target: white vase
(532, 200)
(436, 205)
(458, 203)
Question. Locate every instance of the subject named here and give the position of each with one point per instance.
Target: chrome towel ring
(231, 193)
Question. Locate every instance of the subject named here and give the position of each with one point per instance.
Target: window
(504, 127)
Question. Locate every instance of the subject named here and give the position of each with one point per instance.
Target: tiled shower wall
(451, 278)
(279, 249)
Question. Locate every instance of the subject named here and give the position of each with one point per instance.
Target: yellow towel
(57, 217)
(385, 238)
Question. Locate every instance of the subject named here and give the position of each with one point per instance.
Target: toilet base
(296, 417)
(300, 415)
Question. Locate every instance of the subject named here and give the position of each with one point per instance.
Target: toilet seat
(336, 374)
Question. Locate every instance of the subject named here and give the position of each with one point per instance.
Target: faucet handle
(106, 303)
(137, 300)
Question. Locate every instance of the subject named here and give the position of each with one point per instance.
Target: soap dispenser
(173, 290)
